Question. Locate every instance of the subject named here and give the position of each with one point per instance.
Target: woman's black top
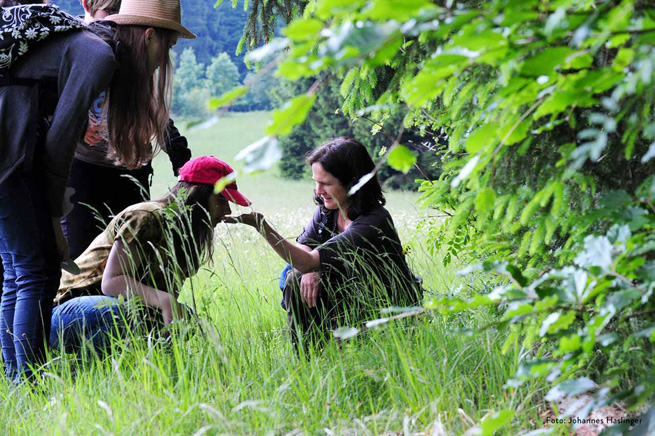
(369, 252)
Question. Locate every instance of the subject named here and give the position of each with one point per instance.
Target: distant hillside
(218, 30)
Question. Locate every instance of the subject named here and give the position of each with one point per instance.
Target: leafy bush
(547, 107)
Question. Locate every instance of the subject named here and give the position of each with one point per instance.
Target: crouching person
(146, 253)
(348, 263)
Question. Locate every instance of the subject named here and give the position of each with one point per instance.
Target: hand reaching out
(253, 219)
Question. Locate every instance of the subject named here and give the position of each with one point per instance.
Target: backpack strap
(24, 25)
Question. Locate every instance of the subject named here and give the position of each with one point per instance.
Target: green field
(242, 376)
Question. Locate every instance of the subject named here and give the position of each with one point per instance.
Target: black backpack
(26, 25)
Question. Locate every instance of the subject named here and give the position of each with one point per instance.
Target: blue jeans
(91, 319)
(31, 272)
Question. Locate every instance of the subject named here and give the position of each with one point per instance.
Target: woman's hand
(253, 219)
(92, 136)
(310, 288)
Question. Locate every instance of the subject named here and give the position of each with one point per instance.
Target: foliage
(326, 120)
(194, 85)
(222, 75)
(547, 108)
(190, 91)
(259, 96)
(590, 312)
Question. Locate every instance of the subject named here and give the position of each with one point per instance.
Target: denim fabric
(91, 319)
(282, 280)
(31, 271)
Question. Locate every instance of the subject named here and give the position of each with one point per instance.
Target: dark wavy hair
(348, 160)
(192, 239)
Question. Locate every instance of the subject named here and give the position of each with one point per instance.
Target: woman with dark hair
(348, 262)
(57, 69)
(146, 251)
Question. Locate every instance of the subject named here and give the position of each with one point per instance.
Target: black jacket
(71, 69)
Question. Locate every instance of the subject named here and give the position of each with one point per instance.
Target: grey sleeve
(86, 68)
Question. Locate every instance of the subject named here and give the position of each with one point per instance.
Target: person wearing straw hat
(43, 110)
(146, 253)
(101, 186)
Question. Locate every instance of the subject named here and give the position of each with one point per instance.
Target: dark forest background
(213, 63)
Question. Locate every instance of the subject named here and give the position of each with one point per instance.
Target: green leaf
(274, 47)
(221, 183)
(484, 136)
(569, 344)
(401, 159)
(345, 332)
(563, 100)
(328, 9)
(623, 58)
(494, 422)
(617, 40)
(597, 252)
(386, 53)
(396, 9)
(227, 97)
(349, 41)
(556, 322)
(290, 115)
(570, 388)
(579, 61)
(546, 61)
(261, 154)
(465, 171)
(484, 201)
(300, 30)
(511, 133)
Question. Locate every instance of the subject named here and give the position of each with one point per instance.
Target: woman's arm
(115, 282)
(301, 257)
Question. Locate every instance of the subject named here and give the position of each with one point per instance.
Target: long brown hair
(193, 235)
(138, 103)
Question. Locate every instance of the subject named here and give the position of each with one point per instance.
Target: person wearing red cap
(146, 251)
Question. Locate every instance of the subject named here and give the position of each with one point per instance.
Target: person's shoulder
(84, 44)
(146, 207)
(144, 210)
(87, 40)
(376, 215)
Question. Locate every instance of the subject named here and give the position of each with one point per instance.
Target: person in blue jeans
(144, 256)
(43, 110)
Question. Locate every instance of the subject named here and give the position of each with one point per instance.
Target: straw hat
(155, 13)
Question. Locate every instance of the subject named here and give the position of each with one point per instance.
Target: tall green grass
(243, 377)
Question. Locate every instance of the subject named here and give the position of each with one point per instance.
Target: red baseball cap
(208, 170)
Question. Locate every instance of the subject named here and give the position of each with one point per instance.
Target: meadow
(240, 375)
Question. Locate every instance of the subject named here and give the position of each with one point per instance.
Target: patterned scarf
(21, 26)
